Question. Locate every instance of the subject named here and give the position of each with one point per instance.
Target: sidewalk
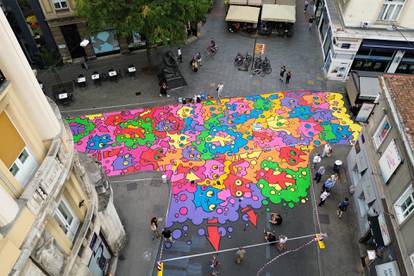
(301, 53)
(139, 197)
(342, 252)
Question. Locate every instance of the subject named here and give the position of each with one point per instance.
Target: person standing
(330, 183)
(180, 55)
(214, 266)
(163, 89)
(154, 228)
(342, 207)
(282, 73)
(240, 255)
(324, 195)
(275, 219)
(167, 235)
(310, 22)
(306, 4)
(281, 243)
(288, 77)
(321, 171)
(219, 89)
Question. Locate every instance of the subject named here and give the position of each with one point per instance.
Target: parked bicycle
(261, 66)
(243, 61)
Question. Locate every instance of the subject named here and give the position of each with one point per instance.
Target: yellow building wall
(57, 233)
(21, 227)
(74, 194)
(8, 256)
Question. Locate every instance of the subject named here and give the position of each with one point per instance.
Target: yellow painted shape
(57, 233)
(8, 256)
(222, 140)
(21, 227)
(321, 244)
(191, 176)
(185, 112)
(176, 141)
(93, 116)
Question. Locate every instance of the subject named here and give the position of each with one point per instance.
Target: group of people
(285, 75)
(330, 182)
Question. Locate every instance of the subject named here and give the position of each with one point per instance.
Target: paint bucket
(164, 179)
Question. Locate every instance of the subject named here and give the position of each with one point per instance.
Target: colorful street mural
(224, 159)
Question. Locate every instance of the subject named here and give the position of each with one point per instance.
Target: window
(381, 132)
(67, 219)
(405, 204)
(23, 167)
(60, 4)
(391, 10)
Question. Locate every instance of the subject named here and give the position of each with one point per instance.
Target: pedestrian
(330, 183)
(154, 228)
(316, 160)
(342, 206)
(288, 77)
(269, 237)
(163, 89)
(219, 89)
(327, 150)
(310, 22)
(320, 172)
(306, 4)
(167, 235)
(282, 73)
(194, 65)
(240, 255)
(324, 195)
(180, 55)
(198, 58)
(281, 243)
(275, 219)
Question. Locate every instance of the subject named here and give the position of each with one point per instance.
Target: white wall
(361, 10)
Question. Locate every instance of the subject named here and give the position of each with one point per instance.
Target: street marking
(132, 180)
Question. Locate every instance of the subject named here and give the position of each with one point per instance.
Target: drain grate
(324, 219)
(132, 186)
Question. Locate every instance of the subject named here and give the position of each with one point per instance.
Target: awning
(243, 14)
(369, 88)
(376, 230)
(254, 2)
(387, 44)
(279, 13)
(237, 2)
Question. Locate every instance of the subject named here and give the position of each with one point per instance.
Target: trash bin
(337, 166)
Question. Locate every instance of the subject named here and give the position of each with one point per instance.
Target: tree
(160, 22)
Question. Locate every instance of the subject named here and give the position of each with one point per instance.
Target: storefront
(101, 256)
(105, 43)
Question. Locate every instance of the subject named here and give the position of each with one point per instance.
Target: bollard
(164, 179)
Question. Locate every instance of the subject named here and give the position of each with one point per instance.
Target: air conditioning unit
(365, 24)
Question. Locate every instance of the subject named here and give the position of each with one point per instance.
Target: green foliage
(161, 22)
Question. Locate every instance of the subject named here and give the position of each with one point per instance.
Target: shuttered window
(11, 143)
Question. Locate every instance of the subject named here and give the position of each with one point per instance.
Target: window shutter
(11, 143)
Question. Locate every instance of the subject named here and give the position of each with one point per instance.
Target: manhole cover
(324, 219)
(132, 186)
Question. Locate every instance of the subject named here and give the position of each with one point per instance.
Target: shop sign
(260, 49)
(384, 230)
(389, 161)
(388, 269)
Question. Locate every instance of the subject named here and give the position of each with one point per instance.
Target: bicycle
(211, 51)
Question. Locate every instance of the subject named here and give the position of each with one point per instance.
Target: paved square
(224, 160)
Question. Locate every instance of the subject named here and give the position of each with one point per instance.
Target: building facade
(380, 169)
(373, 36)
(57, 215)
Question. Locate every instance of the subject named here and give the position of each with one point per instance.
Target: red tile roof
(401, 89)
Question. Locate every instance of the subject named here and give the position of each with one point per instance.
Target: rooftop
(401, 89)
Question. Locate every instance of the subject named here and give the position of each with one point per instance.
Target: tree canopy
(159, 21)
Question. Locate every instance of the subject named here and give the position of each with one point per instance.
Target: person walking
(154, 228)
(288, 77)
(305, 7)
(330, 183)
(324, 195)
(310, 22)
(342, 207)
(163, 89)
(275, 219)
(327, 150)
(214, 266)
(240, 255)
(180, 55)
(167, 235)
(220, 87)
(316, 160)
(282, 73)
(319, 173)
